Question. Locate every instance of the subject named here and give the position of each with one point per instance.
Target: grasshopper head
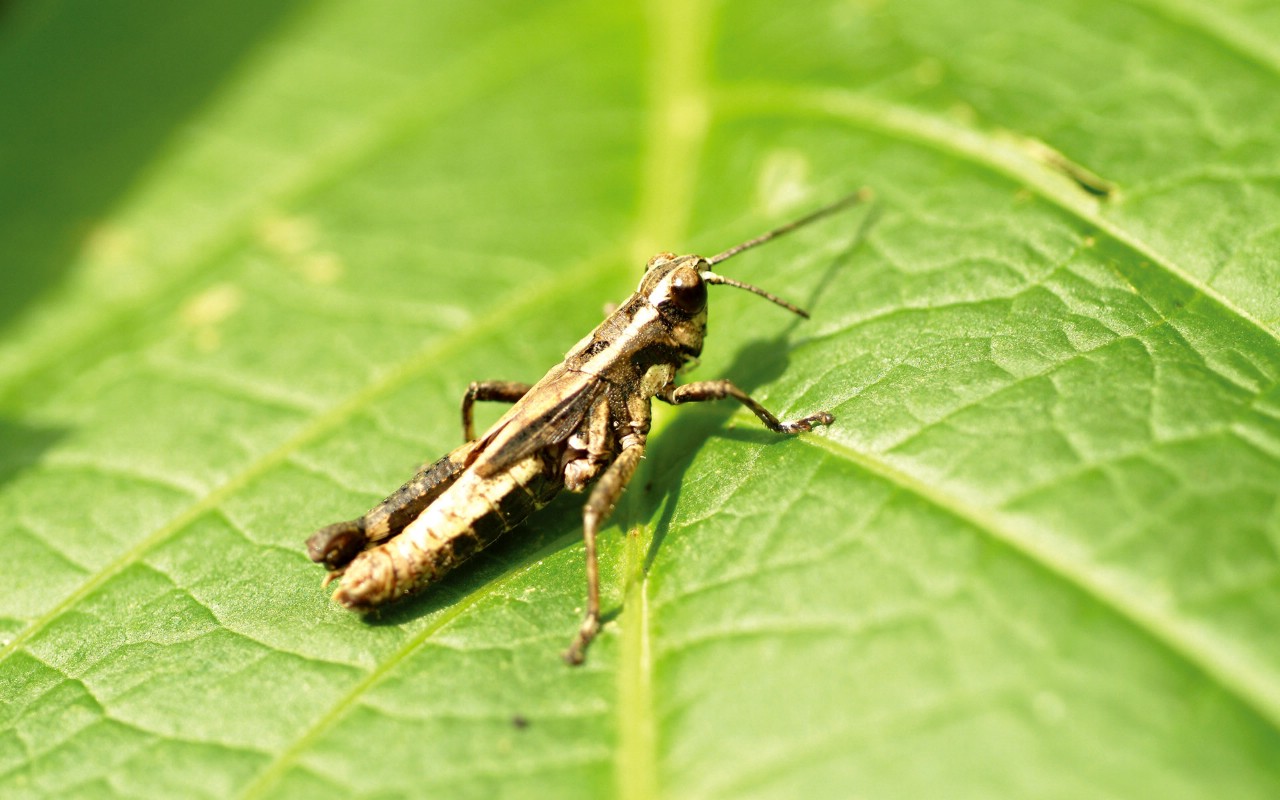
(674, 287)
(677, 285)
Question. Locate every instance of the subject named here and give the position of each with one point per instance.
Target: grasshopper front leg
(701, 391)
(599, 506)
(500, 391)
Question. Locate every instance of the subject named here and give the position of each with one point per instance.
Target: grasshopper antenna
(711, 277)
(860, 196)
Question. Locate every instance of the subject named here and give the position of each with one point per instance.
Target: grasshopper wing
(547, 415)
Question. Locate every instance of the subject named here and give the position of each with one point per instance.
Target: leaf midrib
(1025, 175)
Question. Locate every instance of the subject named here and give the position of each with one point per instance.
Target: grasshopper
(586, 421)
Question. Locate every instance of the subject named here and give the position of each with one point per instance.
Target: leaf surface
(256, 257)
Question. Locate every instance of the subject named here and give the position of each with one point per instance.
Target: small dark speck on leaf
(520, 722)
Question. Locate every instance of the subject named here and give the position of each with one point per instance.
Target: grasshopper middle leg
(700, 391)
(500, 391)
(599, 506)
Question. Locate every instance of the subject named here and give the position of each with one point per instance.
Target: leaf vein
(274, 771)
(1207, 19)
(330, 420)
(1235, 676)
(973, 145)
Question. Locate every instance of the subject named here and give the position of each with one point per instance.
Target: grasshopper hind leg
(337, 544)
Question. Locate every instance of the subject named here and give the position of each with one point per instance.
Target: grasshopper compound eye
(688, 290)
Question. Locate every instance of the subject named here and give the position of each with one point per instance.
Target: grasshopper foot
(577, 651)
(806, 424)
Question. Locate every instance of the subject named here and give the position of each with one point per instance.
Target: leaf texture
(254, 257)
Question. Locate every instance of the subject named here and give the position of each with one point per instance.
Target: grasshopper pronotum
(586, 421)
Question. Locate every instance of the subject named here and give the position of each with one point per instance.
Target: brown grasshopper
(586, 420)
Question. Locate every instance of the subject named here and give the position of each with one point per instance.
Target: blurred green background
(252, 254)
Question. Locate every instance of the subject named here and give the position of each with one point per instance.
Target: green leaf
(253, 254)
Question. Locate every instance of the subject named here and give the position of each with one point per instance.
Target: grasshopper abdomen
(466, 518)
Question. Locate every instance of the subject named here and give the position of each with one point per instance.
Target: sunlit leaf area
(253, 253)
